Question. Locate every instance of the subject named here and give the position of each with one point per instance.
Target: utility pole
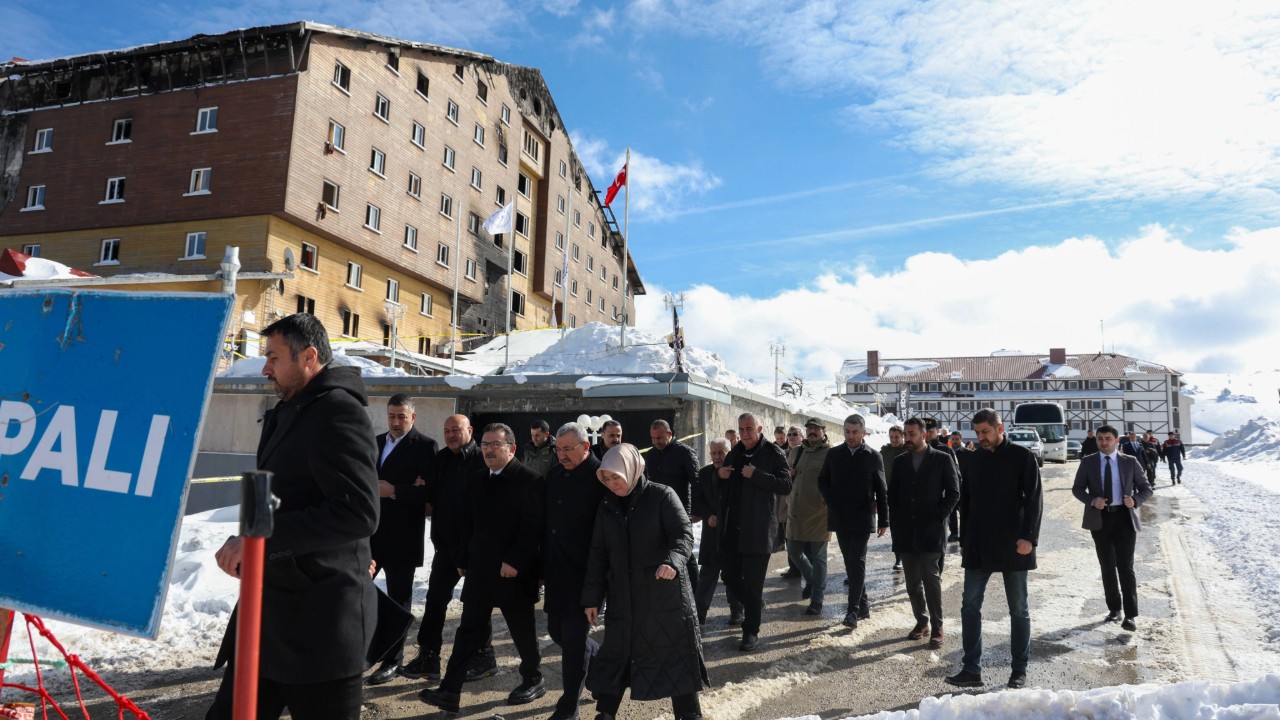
(777, 350)
(395, 311)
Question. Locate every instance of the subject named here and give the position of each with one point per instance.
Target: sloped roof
(1090, 366)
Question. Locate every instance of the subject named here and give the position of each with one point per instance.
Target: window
(195, 246)
(601, 303)
(446, 205)
(506, 115)
(32, 249)
(523, 185)
(564, 169)
(482, 92)
(532, 147)
(200, 178)
(451, 112)
(1017, 386)
(426, 304)
(476, 178)
(393, 61)
(378, 162)
(588, 296)
(306, 305)
(411, 237)
(471, 269)
(1073, 385)
(393, 290)
(1037, 385)
(415, 186)
(122, 130)
(615, 282)
(110, 252)
(573, 288)
(573, 321)
(115, 191)
(501, 196)
(44, 141)
(478, 135)
(310, 257)
(382, 107)
(354, 273)
(449, 157)
(522, 224)
(342, 77)
(1077, 425)
(350, 323)
(577, 218)
(1096, 405)
(559, 278)
(1094, 385)
(502, 154)
(337, 137)
(206, 121)
(559, 241)
(442, 254)
(591, 230)
(424, 85)
(330, 194)
(933, 387)
(591, 264)
(457, 71)
(560, 204)
(35, 198)
(373, 217)
(604, 274)
(984, 387)
(915, 387)
(963, 387)
(520, 262)
(419, 135)
(966, 425)
(517, 302)
(424, 345)
(473, 223)
(575, 252)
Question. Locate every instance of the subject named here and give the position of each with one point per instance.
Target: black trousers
(924, 587)
(853, 546)
(705, 591)
(1114, 544)
(744, 577)
(473, 632)
(400, 589)
(682, 706)
(440, 584)
(571, 632)
(330, 700)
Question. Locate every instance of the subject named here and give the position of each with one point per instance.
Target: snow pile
(490, 357)
(1256, 440)
(1226, 402)
(1251, 699)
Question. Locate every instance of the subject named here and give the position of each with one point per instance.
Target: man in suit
(852, 482)
(318, 601)
(573, 497)
(1003, 505)
(1112, 486)
(923, 489)
(499, 551)
(406, 458)
(706, 501)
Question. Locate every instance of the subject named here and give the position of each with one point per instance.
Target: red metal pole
(6, 619)
(249, 629)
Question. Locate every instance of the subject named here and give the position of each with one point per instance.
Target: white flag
(501, 221)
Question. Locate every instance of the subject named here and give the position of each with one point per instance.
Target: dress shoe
(1129, 625)
(964, 678)
(850, 620)
(1018, 679)
(806, 593)
(1113, 616)
(864, 613)
(443, 699)
(936, 637)
(897, 567)
(813, 609)
(426, 665)
(749, 643)
(529, 690)
(953, 538)
(385, 673)
(604, 716)
(790, 573)
(736, 617)
(483, 665)
(918, 631)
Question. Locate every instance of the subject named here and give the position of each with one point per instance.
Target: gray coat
(1088, 485)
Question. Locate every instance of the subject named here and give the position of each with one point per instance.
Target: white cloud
(560, 7)
(659, 189)
(1161, 299)
(1171, 99)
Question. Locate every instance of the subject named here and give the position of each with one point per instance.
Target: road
(815, 666)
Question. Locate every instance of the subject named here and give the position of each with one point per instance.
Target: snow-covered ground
(1226, 402)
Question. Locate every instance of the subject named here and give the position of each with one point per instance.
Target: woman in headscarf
(639, 549)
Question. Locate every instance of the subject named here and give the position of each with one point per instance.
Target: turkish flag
(618, 182)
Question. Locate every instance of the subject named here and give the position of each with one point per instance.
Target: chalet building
(353, 171)
(1093, 388)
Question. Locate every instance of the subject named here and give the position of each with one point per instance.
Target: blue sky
(799, 166)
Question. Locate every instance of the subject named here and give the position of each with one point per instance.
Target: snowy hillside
(1226, 402)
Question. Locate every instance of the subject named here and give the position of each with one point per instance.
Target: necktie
(1106, 477)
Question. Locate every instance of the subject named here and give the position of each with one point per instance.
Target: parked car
(1073, 449)
(1028, 439)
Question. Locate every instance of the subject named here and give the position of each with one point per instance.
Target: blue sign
(102, 395)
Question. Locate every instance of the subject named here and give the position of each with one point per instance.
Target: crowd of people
(604, 533)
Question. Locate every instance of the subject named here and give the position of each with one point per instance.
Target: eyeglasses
(793, 434)
(493, 445)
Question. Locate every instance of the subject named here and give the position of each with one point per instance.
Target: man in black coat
(610, 435)
(318, 601)
(852, 483)
(1003, 501)
(672, 463)
(445, 494)
(405, 458)
(1089, 445)
(573, 498)
(498, 553)
(706, 500)
(753, 476)
(923, 490)
(962, 455)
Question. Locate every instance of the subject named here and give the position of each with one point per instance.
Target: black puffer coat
(652, 625)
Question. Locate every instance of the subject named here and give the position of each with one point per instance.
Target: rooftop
(1088, 366)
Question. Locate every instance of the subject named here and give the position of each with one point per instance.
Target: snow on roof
(856, 370)
(1054, 370)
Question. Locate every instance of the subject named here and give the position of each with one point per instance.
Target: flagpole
(564, 261)
(626, 221)
(453, 313)
(511, 247)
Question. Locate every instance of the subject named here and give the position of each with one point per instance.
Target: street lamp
(395, 311)
(593, 423)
